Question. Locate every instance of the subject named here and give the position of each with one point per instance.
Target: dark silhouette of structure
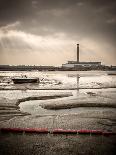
(77, 53)
(79, 65)
(71, 65)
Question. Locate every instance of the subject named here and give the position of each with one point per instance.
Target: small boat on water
(25, 80)
(112, 73)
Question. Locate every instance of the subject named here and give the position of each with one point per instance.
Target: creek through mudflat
(33, 108)
(82, 82)
(79, 83)
(99, 86)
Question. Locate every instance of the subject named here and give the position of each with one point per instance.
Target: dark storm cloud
(73, 17)
(19, 9)
(78, 19)
(13, 10)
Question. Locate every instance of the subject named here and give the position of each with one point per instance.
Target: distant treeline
(24, 68)
(53, 68)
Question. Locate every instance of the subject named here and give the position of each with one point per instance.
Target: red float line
(97, 132)
(109, 133)
(26, 130)
(62, 131)
(56, 131)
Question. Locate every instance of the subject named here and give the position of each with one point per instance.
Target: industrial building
(69, 66)
(77, 64)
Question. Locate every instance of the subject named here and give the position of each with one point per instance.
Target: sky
(45, 32)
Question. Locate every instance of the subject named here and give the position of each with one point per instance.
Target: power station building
(77, 64)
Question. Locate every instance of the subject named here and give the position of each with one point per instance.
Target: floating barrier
(62, 131)
(26, 130)
(97, 132)
(109, 133)
(56, 131)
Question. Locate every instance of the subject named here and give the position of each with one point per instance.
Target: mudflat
(60, 102)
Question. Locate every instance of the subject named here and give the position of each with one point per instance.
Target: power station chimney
(77, 53)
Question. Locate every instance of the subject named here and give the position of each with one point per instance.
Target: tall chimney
(77, 53)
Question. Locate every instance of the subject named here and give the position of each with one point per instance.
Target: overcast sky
(45, 32)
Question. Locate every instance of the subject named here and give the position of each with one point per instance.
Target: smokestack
(77, 53)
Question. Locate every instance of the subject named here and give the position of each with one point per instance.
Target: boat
(112, 73)
(25, 80)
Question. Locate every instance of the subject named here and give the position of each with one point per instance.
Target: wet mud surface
(67, 101)
(57, 145)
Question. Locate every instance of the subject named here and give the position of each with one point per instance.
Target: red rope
(28, 130)
(98, 132)
(61, 131)
(56, 131)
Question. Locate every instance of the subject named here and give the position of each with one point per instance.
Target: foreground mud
(56, 145)
(92, 118)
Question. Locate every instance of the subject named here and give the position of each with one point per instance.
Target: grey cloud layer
(77, 19)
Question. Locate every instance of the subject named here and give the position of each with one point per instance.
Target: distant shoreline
(52, 68)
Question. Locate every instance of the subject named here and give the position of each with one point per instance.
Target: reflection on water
(60, 80)
(79, 83)
(78, 77)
